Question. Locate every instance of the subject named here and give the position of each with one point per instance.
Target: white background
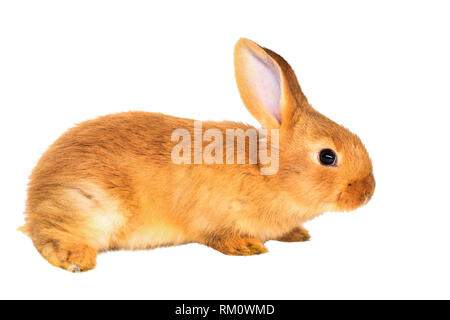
(380, 68)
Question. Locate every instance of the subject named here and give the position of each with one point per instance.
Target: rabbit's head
(322, 165)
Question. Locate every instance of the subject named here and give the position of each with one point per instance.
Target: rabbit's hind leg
(72, 224)
(56, 234)
(68, 254)
(58, 241)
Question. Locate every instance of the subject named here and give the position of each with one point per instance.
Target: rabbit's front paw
(298, 234)
(240, 247)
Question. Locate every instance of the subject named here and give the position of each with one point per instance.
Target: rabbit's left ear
(267, 84)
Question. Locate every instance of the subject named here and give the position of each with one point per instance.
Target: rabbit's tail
(25, 229)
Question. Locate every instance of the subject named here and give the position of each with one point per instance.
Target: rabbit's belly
(152, 236)
(105, 224)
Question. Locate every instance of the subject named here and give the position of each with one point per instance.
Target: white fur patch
(101, 213)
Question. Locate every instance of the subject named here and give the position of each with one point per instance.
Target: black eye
(327, 157)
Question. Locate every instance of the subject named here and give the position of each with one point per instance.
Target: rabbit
(110, 183)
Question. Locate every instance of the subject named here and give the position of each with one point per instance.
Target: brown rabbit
(111, 183)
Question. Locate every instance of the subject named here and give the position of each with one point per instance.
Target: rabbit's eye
(327, 157)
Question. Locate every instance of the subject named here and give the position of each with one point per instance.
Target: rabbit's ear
(267, 84)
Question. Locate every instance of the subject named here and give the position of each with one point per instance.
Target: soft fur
(109, 183)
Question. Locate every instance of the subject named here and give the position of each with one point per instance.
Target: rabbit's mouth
(356, 193)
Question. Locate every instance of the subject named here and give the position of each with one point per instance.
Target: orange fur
(109, 183)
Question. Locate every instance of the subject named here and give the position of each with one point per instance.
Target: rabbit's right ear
(267, 84)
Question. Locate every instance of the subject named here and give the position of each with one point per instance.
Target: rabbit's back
(112, 180)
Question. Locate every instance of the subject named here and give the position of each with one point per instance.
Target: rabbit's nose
(368, 188)
(357, 193)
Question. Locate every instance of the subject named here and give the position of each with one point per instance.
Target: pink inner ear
(265, 82)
